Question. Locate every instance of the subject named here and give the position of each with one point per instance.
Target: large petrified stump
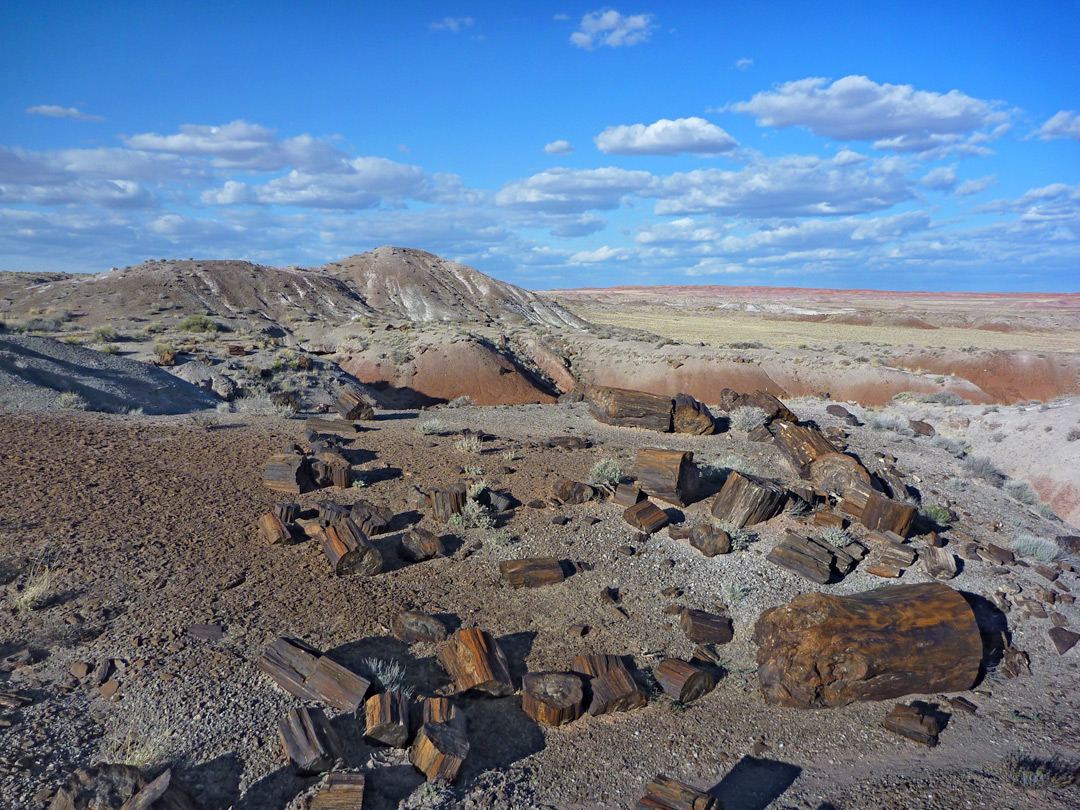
(627, 408)
(669, 475)
(821, 650)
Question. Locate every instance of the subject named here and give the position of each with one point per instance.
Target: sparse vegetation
(984, 468)
(889, 423)
(734, 594)
(1034, 773)
(947, 398)
(39, 325)
(1039, 548)
(740, 538)
(502, 538)
(606, 471)
(836, 537)
(1072, 435)
(104, 334)
(198, 323)
(260, 403)
(389, 676)
(144, 748)
(469, 443)
(936, 512)
(473, 516)
(1022, 491)
(204, 419)
(748, 418)
(954, 447)
(72, 401)
(110, 348)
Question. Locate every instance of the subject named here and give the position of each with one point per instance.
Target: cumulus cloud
(56, 111)
(744, 63)
(609, 27)
(452, 24)
(1065, 124)
(44, 178)
(896, 117)
(568, 191)
(666, 137)
(559, 148)
(942, 178)
(601, 254)
(969, 187)
(1058, 202)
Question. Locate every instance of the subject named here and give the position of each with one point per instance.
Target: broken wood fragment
(289, 472)
(703, 627)
(310, 742)
(664, 793)
(371, 518)
(339, 791)
(669, 475)
(836, 472)
(332, 427)
(710, 540)
(352, 407)
(683, 682)
(303, 671)
(627, 494)
(553, 698)
(626, 408)
(386, 718)
(746, 499)
(615, 690)
(692, 417)
(800, 445)
(593, 664)
(646, 516)
(532, 572)
(573, 492)
(445, 503)
(439, 751)
(474, 660)
(286, 512)
(412, 626)
(939, 563)
(419, 544)
(915, 723)
(273, 531)
(349, 550)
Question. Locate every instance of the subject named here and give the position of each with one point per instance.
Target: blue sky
(920, 146)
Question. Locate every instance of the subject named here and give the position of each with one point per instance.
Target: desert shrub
(389, 676)
(110, 348)
(796, 507)
(1040, 548)
(741, 538)
(164, 348)
(72, 401)
(502, 538)
(748, 418)
(1047, 511)
(459, 402)
(606, 471)
(36, 591)
(888, 423)
(733, 594)
(474, 515)
(836, 537)
(1022, 491)
(104, 334)
(947, 398)
(40, 325)
(155, 328)
(935, 512)
(1034, 773)
(430, 427)
(984, 468)
(954, 447)
(469, 443)
(260, 403)
(1072, 435)
(198, 323)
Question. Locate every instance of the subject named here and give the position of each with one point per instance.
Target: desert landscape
(391, 533)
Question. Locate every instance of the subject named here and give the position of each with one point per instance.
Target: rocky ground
(118, 533)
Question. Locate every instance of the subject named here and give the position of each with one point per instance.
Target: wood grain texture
(746, 499)
(683, 682)
(552, 698)
(311, 744)
(533, 572)
(646, 516)
(474, 660)
(349, 550)
(800, 445)
(692, 417)
(626, 408)
(664, 793)
(669, 475)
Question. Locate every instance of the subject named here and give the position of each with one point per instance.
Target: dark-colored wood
(710, 540)
(331, 469)
(893, 481)
(836, 472)
(553, 698)
(646, 516)
(419, 544)
(1064, 640)
(703, 627)
(830, 520)
(352, 407)
(303, 671)
(877, 512)
(800, 445)
(339, 791)
(939, 563)
(160, 794)
(386, 718)
(349, 550)
(289, 472)
(474, 660)
(593, 664)
(615, 690)
(286, 512)
(331, 512)
(627, 494)
(445, 503)
(532, 572)
(669, 475)
(692, 417)
(821, 650)
(664, 793)
(310, 742)
(443, 710)
(812, 558)
(627, 408)
(273, 531)
(746, 499)
(371, 518)
(412, 626)
(333, 427)
(683, 682)
(915, 723)
(439, 751)
(573, 492)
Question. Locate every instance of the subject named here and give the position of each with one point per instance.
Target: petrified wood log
(627, 494)
(532, 573)
(615, 690)
(351, 406)
(349, 550)
(371, 518)
(884, 515)
(303, 671)
(331, 512)
(915, 723)
(626, 408)
(646, 516)
(669, 475)
(443, 710)
(746, 499)
(445, 503)
(386, 718)
(289, 472)
(474, 660)
(286, 512)
(664, 793)
(821, 650)
(703, 627)
(553, 698)
(710, 540)
(893, 481)
(274, 531)
(593, 664)
(692, 417)
(836, 472)
(161, 793)
(419, 544)
(331, 469)
(683, 682)
(411, 626)
(311, 744)
(439, 751)
(810, 558)
(573, 492)
(339, 791)
(800, 445)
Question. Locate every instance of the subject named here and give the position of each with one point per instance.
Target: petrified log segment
(289, 472)
(439, 751)
(274, 531)
(821, 650)
(331, 512)
(836, 472)
(664, 793)
(683, 682)
(286, 512)
(800, 445)
(646, 516)
(593, 664)
(553, 698)
(351, 406)
(411, 626)
(573, 492)
(884, 515)
(339, 791)
(746, 499)
(474, 660)
(303, 671)
(703, 627)
(386, 718)
(419, 544)
(371, 519)
(627, 494)
(331, 469)
(710, 540)
(626, 408)
(915, 723)
(615, 690)
(349, 550)
(813, 558)
(445, 503)
(669, 475)
(311, 744)
(162, 792)
(532, 572)
(443, 710)
(692, 417)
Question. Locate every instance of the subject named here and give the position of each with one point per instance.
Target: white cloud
(744, 63)
(561, 17)
(559, 148)
(1065, 124)
(609, 27)
(601, 254)
(567, 191)
(896, 117)
(969, 187)
(1057, 202)
(666, 137)
(232, 193)
(453, 24)
(56, 111)
(942, 178)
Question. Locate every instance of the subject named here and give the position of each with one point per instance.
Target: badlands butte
(392, 533)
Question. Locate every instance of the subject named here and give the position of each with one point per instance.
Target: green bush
(198, 323)
(72, 401)
(105, 334)
(606, 471)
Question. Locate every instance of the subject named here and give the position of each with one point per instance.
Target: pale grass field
(720, 328)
